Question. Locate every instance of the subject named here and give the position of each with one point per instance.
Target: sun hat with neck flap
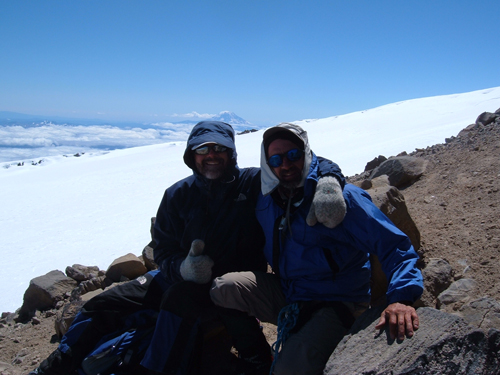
(292, 132)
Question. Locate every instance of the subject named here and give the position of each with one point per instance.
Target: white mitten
(328, 205)
(196, 267)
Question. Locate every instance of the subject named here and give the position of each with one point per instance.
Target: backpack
(120, 352)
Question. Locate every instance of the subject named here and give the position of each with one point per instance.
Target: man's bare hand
(402, 319)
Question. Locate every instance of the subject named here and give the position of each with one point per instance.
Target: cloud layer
(18, 143)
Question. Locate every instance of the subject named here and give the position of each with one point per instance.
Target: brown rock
(44, 292)
(402, 170)
(128, 266)
(148, 257)
(65, 317)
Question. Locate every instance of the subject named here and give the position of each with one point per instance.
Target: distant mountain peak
(238, 123)
(230, 118)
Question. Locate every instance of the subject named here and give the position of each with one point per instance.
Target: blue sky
(267, 61)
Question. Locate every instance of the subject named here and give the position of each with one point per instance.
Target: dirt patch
(24, 346)
(455, 206)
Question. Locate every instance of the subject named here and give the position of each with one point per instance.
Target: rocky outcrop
(487, 118)
(461, 323)
(65, 292)
(444, 344)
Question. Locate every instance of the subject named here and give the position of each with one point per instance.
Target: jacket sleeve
(376, 233)
(329, 168)
(168, 254)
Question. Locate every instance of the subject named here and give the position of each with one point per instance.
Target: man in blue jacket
(205, 227)
(321, 279)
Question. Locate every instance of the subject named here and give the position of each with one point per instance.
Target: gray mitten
(197, 267)
(328, 205)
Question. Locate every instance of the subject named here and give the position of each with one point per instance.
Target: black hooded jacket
(220, 212)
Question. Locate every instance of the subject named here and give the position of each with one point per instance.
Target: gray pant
(260, 295)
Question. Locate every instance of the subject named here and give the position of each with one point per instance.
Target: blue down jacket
(220, 212)
(321, 264)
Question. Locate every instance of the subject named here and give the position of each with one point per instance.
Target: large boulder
(487, 118)
(444, 344)
(127, 267)
(44, 292)
(402, 170)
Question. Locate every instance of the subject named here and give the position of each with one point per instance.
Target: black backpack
(120, 352)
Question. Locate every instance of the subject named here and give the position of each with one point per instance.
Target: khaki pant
(259, 294)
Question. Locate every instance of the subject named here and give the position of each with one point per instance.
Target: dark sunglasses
(292, 155)
(205, 150)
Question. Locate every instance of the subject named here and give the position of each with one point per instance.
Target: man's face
(213, 164)
(289, 172)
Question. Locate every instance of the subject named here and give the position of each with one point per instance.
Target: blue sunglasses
(293, 155)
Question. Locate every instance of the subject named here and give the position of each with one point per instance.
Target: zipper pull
(282, 223)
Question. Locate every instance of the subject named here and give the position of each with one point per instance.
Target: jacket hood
(210, 132)
(269, 181)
